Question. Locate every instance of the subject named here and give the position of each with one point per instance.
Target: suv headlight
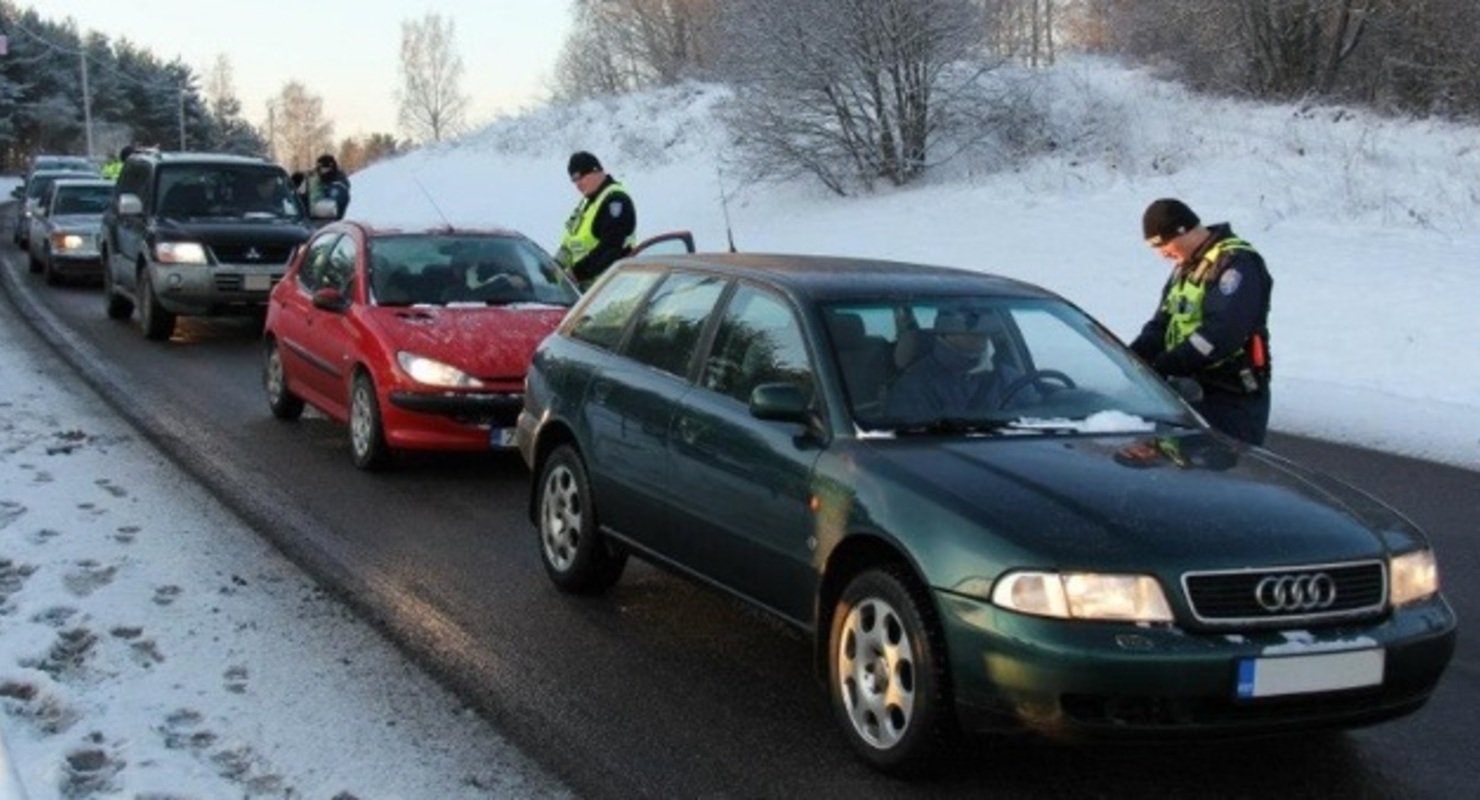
(435, 373)
(179, 253)
(1415, 576)
(1083, 595)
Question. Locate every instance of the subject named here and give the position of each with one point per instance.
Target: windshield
(443, 269)
(225, 190)
(991, 364)
(82, 200)
(40, 182)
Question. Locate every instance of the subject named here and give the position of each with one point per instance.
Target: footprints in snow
(185, 730)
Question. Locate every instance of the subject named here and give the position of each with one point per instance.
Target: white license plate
(1318, 672)
(256, 283)
(501, 438)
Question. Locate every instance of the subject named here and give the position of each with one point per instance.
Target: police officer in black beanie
(603, 226)
(1212, 323)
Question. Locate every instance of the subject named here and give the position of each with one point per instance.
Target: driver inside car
(484, 281)
(956, 378)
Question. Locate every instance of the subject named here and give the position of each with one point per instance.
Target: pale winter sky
(345, 51)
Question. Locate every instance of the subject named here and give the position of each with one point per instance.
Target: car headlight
(1415, 576)
(1083, 595)
(67, 241)
(179, 253)
(435, 373)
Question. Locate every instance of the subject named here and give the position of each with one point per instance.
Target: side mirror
(1190, 389)
(324, 208)
(779, 402)
(129, 205)
(329, 299)
(18, 192)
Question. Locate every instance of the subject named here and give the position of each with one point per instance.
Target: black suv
(197, 234)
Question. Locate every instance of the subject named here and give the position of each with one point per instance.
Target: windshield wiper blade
(955, 425)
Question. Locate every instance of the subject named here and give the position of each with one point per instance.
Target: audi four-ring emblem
(1304, 592)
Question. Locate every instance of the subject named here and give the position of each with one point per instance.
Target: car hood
(241, 232)
(491, 343)
(1140, 502)
(76, 223)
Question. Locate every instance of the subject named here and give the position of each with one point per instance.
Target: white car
(65, 225)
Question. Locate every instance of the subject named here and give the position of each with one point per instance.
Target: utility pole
(86, 102)
(181, 113)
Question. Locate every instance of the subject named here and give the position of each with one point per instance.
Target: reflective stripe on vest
(1184, 301)
(580, 236)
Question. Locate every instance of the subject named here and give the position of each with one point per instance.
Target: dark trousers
(1243, 416)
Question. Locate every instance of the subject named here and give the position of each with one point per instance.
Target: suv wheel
(577, 557)
(366, 436)
(886, 671)
(157, 322)
(116, 305)
(284, 404)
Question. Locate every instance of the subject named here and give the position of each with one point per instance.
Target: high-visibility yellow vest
(1184, 301)
(580, 237)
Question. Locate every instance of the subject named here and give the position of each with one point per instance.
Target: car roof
(841, 278)
(83, 182)
(374, 232)
(174, 157)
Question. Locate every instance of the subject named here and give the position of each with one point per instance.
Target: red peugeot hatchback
(418, 340)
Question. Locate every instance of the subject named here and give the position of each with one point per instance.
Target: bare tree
(850, 91)
(622, 45)
(1021, 29)
(432, 106)
(298, 130)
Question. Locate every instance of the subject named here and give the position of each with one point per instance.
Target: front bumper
(1076, 678)
(465, 421)
(198, 289)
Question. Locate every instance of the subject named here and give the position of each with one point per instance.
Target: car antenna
(724, 204)
(445, 222)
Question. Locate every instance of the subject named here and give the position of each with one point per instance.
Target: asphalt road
(663, 688)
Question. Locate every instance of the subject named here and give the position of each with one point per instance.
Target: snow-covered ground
(1368, 225)
(151, 646)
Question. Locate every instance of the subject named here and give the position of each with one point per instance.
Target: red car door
(329, 341)
(301, 367)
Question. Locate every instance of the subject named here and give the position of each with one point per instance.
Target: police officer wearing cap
(1212, 322)
(603, 226)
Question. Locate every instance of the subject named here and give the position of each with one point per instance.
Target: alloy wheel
(876, 671)
(560, 518)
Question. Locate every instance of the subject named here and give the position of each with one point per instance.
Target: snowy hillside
(1368, 224)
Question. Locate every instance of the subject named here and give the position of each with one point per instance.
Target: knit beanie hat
(1165, 220)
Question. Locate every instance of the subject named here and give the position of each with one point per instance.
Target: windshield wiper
(954, 425)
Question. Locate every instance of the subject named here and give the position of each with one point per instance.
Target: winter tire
(577, 557)
(284, 404)
(886, 671)
(158, 323)
(366, 436)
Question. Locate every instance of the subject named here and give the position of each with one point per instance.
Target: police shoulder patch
(615, 208)
(1229, 281)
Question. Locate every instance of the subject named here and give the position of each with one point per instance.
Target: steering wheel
(1035, 378)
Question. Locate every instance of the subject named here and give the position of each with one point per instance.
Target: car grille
(1234, 597)
(251, 254)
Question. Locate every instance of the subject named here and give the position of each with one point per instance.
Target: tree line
(132, 97)
(859, 92)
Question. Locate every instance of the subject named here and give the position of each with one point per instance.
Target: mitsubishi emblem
(252, 254)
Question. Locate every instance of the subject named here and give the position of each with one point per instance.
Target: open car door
(666, 244)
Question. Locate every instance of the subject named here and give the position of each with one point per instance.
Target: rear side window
(668, 332)
(602, 320)
(759, 341)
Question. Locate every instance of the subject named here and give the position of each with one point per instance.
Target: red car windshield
(453, 269)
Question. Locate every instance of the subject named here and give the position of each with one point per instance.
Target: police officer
(329, 181)
(603, 226)
(114, 166)
(1212, 322)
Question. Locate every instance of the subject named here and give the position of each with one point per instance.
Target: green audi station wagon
(986, 512)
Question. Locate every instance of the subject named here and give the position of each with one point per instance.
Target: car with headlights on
(63, 240)
(30, 194)
(419, 340)
(197, 234)
(982, 508)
